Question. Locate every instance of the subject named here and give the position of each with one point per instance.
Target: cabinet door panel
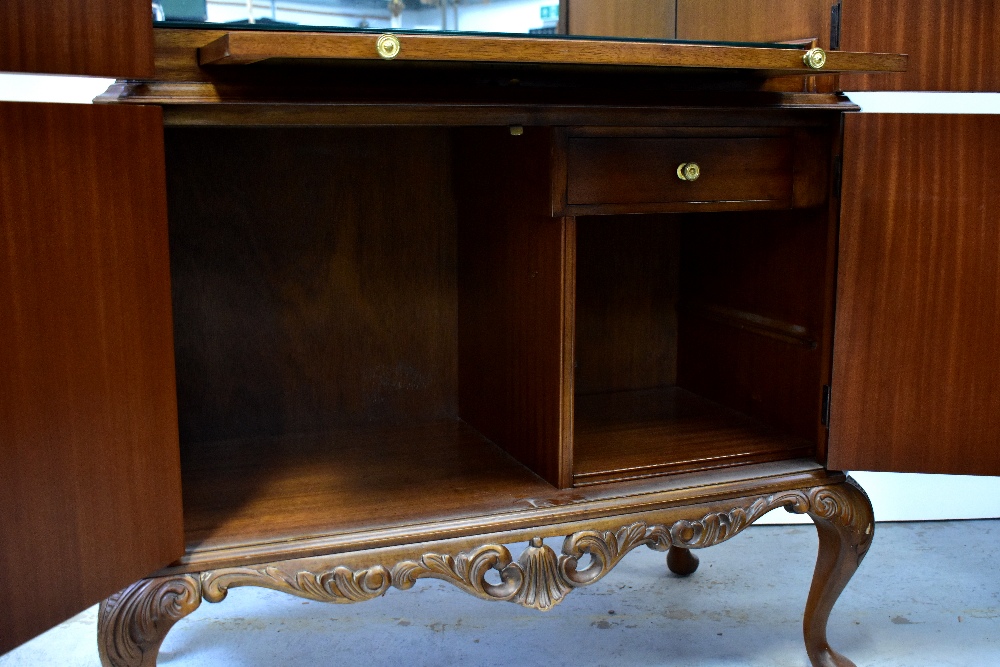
(89, 459)
(621, 18)
(111, 38)
(951, 43)
(916, 381)
(754, 20)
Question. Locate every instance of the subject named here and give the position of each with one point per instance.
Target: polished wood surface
(754, 317)
(247, 47)
(265, 490)
(112, 38)
(627, 274)
(515, 308)
(915, 382)
(621, 18)
(133, 623)
(643, 170)
(635, 434)
(952, 43)
(89, 469)
(755, 20)
(311, 288)
(264, 499)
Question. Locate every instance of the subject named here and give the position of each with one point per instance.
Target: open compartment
(315, 281)
(378, 328)
(700, 341)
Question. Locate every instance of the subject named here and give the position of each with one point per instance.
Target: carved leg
(133, 623)
(681, 561)
(845, 522)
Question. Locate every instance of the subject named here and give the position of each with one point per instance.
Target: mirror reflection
(506, 16)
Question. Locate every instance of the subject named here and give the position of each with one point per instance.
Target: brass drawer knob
(688, 171)
(815, 58)
(387, 46)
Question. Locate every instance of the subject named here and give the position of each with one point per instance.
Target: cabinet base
(134, 622)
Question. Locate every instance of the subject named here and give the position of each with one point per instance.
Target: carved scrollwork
(339, 585)
(540, 578)
(467, 571)
(133, 622)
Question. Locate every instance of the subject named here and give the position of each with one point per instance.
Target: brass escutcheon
(387, 46)
(688, 171)
(815, 58)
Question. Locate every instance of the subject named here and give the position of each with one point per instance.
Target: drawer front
(641, 173)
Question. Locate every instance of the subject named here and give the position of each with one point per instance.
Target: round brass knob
(815, 58)
(387, 46)
(688, 171)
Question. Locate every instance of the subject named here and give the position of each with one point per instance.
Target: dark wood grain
(916, 387)
(89, 469)
(754, 20)
(951, 43)
(635, 434)
(314, 278)
(248, 47)
(754, 314)
(643, 170)
(621, 18)
(516, 302)
(627, 270)
(112, 38)
(262, 490)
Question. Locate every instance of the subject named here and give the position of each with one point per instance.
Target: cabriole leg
(845, 522)
(681, 561)
(133, 623)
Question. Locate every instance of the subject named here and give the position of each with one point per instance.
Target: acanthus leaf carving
(540, 578)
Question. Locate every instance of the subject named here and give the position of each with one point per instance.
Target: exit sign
(550, 12)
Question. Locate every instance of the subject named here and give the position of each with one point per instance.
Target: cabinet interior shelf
(244, 493)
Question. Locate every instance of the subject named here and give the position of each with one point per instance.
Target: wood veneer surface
(631, 434)
(627, 272)
(112, 38)
(915, 381)
(754, 20)
(621, 18)
(515, 308)
(754, 314)
(89, 469)
(952, 43)
(314, 276)
(261, 490)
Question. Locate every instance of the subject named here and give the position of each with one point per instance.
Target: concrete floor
(927, 595)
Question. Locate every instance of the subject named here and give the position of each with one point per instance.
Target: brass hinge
(835, 27)
(825, 415)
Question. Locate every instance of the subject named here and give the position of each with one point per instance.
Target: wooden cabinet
(418, 312)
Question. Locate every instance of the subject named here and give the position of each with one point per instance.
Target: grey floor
(927, 595)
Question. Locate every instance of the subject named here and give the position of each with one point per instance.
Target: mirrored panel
(731, 21)
(535, 17)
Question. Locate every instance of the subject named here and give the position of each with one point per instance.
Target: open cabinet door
(916, 380)
(112, 38)
(89, 461)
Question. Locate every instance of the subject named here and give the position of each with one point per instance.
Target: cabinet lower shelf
(252, 499)
(635, 434)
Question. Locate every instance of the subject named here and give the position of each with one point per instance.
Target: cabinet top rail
(247, 47)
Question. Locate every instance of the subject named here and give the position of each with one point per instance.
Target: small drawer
(622, 174)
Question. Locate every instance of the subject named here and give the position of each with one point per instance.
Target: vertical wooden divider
(515, 298)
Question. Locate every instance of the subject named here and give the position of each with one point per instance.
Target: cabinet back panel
(753, 314)
(626, 297)
(313, 278)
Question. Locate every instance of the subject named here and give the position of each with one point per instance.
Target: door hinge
(835, 27)
(825, 416)
(838, 175)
